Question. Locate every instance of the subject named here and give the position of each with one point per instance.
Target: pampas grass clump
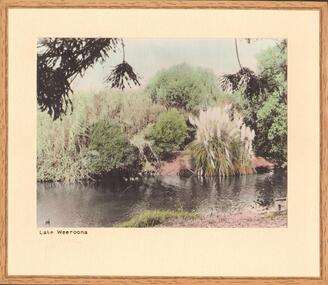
(223, 143)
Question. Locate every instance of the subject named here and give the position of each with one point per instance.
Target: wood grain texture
(204, 4)
(324, 143)
(3, 140)
(317, 5)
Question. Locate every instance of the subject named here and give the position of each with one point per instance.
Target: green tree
(272, 65)
(184, 87)
(271, 114)
(169, 133)
(265, 104)
(111, 151)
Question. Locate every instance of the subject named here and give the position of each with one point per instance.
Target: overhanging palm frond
(246, 79)
(122, 75)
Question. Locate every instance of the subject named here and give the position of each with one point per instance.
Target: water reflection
(104, 205)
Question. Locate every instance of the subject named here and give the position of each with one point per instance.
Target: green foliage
(223, 145)
(273, 118)
(82, 142)
(271, 115)
(265, 100)
(169, 133)
(154, 218)
(63, 152)
(184, 87)
(272, 65)
(132, 110)
(111, 150)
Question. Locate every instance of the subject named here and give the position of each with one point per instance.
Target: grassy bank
(160, 218)
(154, 218)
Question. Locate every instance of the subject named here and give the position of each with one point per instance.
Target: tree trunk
(237, 53)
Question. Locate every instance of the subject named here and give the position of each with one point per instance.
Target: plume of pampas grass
(223, 143)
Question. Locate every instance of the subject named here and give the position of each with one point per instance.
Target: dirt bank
(181, 161)
(250, 219)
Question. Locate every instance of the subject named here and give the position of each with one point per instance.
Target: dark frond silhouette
(61, 60)
(121, 75)
(252, 83)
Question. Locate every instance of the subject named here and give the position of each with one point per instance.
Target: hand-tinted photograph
(162, 132)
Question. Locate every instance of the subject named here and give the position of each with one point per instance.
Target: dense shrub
(223, 144)
(272, 117)
(111, 151)
(63, 145)
(184, 87)
(168, 134)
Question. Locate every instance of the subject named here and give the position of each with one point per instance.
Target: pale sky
(148, 56)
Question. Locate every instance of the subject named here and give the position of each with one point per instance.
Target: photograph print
(162, 132)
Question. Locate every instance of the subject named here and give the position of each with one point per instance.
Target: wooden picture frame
(321, 6)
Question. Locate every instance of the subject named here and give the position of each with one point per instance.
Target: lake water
(103, 205)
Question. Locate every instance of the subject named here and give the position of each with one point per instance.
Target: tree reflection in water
(104, 205)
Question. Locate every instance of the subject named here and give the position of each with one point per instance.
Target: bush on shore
(168, 134)
(111, 150)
